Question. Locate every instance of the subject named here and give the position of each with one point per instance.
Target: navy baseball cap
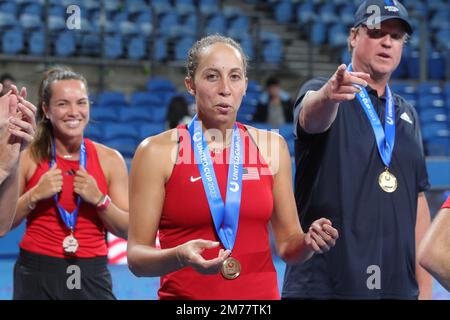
(387, 9)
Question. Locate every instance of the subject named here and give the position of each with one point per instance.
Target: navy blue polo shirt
(337, 178)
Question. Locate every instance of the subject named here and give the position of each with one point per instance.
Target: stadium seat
(65, 44)
(135, 114)
(136, 48)
(208, 7)
(145, 99)
(105, 114)
(184, 7)
(151, 129)
(126, 146)
(113, 46)
(119, 130)
(111, 99)
(36, 43)
(13, 41)
(283, 12)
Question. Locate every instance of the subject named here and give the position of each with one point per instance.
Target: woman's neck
(217, 136)
(68, 147)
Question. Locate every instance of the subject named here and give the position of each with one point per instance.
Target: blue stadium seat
(430, 101)
(120, 130)
(337, 36)
(113, 46)
(136, 48)
(9, 7)
(318, 33)
(283, 12)
(346, 15)
(429, 88)
(13, 41)
(160, 49)
(90, 45)
(436, 66)
(248, 47)
(184, 7)
(208, 7)
(182, 48)
(216, 24)
(306, 13)
(111, 99)
(105, 114)
(328, 14)
(161, 6)
(273, 53)
(136, 114)
(402, 88)
(65, 44)
(159, 114)
(30, 21)
(128, 28)
(57, 10)
(56, 23)
(34, 9)
(36, 43)
(126, 146)
(7, 21)
(151, 129)
(430, 115)
(134, 7)
(435, 129)
(413, 63)
(158, 84)
(239, 23)
(145, 99)
(94, 132)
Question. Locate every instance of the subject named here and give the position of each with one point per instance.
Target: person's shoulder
(265, 137)
(403, 104)
(160, 143)
(105, 152)
(316, 82)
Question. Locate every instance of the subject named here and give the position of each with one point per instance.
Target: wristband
(446, 203)
(104, 203)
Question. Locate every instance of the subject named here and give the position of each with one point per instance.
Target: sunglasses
(378, 33)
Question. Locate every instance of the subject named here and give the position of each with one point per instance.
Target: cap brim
(408, 27)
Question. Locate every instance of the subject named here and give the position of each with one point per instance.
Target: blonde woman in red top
(213, 228)
(72, 190)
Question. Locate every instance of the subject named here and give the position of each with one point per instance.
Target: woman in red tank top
(72, 190)
(213, 213)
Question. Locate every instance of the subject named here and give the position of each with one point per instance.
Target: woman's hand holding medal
(189, 254)
(86, 187)
(49, 184)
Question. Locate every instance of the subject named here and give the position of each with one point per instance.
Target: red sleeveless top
(186, 216)
(45, 229)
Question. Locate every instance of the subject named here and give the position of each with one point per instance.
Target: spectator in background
(274, 105)
(7, 81)
(178, 112)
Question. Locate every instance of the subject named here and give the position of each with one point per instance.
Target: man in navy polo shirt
(360, 160)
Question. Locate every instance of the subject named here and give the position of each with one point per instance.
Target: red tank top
(186, 216)
(45, 229)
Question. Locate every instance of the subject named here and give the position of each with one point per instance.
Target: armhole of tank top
(251, 137)
(263, 160)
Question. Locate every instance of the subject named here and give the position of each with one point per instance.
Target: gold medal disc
(387, 181)
(231, 269)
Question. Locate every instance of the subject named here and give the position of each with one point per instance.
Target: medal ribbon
(385, 138)
(69, 218)
(225, 216)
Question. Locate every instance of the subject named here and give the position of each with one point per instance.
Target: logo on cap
(391, 5)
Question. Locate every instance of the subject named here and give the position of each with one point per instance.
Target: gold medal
(387, 181)
(70, 244)
(231, 269)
